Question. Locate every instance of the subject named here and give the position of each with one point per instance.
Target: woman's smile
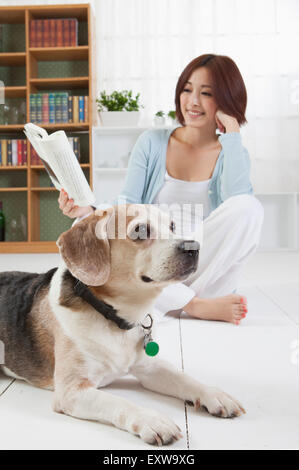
(195, 114)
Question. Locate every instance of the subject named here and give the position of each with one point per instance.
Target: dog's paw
(218, 403)
(156, 429)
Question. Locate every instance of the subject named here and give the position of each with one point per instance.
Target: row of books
(74, 142)
(62, 32)
(51, 108)
(13, 152)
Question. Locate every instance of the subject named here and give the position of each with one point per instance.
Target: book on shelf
(1, 38)
(13, 152)
(39, 108)
(70, 109)
(60, 163)
(86, 117)
(9, 152)
(54, 32)
(39, 33)
(58, 107)
(81, 108)
(45, 107)
(75, 144)
(51, 108)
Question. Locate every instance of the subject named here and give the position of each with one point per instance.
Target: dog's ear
(85, 248)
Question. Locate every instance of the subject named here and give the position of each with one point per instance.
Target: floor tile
(262, 311)
(286, 296)
(257, 366)
(32, 262)
(272, 267)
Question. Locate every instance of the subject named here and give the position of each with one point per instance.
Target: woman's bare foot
(231, 308)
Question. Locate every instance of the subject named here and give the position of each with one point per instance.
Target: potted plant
(159, 119)
(172, 117)
(119, 108)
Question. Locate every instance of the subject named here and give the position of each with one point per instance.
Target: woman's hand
(68, 208)
(226, 123)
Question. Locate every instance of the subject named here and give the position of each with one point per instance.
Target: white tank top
(175, 193)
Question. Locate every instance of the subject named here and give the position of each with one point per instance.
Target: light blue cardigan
(147, 167)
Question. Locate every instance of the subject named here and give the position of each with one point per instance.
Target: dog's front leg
(82, 400)
(160, 376)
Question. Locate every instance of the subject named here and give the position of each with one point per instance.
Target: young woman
(192, 164)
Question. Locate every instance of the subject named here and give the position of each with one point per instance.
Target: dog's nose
(189, 246)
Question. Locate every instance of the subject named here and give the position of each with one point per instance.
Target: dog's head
(128, 244)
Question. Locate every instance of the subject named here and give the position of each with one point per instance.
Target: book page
(67, 167)
(35, 135)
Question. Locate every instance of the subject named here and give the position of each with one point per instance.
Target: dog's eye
(172, 226)
(141, 232)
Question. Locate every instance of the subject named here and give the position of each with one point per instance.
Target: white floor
(257, 362)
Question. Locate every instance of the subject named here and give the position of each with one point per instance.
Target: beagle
(78, 327)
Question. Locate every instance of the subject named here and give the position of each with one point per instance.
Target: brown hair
(228, 86)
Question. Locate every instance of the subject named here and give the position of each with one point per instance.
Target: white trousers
(231, 233)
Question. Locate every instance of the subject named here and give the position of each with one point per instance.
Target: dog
(78, 327)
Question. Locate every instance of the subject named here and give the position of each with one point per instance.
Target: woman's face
(197, 103)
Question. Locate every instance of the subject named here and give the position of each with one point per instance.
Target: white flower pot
(159, 121)
(173, 122)
(119, 118)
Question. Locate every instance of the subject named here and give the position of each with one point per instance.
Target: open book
(61, 163)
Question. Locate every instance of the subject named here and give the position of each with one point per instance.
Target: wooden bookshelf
(15, 91)
(27, 188)
(59, 83)
(60, 53)
(13, 58)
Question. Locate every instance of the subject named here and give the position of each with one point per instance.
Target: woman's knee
(245, 205)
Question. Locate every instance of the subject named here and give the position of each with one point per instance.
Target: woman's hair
(228, 87)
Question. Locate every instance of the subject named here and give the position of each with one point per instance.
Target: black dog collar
(104, 309)
(151, 347)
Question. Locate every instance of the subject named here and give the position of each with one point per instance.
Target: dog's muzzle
(188, 254)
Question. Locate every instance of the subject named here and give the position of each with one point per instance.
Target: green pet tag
(151, 347)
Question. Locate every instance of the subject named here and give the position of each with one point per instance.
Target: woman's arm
(235, 176)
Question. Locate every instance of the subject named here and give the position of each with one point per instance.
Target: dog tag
(151, 347)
